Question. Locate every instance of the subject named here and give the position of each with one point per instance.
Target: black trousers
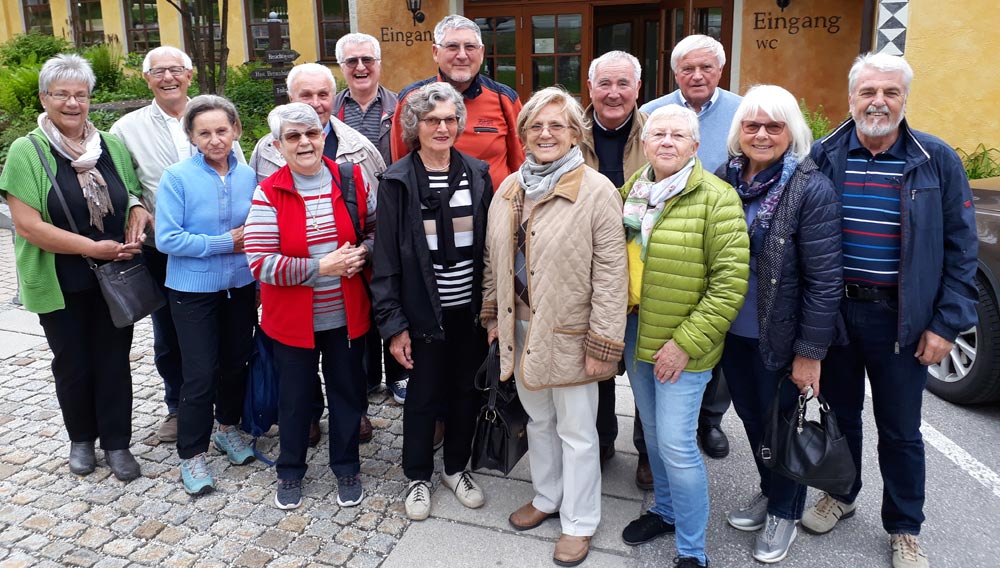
(715, 402)
(166, 349)
(215, 332)
(607, 420)
(443, 376)
(378, 351)
(345, 395)
(91, 370)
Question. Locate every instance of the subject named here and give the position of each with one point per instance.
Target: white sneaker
(418, 500)
(906, 552)
(466, 489)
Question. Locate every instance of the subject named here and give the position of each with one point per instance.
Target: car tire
(970, 374)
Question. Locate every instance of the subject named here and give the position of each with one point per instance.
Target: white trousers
(563, 449)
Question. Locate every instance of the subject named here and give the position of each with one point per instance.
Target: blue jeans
(752, 387)
(897, 385)
(669, 413)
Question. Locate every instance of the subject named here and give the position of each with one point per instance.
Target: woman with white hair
(787, 321)
(309, 239)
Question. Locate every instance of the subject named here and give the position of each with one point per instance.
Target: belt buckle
(852, 291)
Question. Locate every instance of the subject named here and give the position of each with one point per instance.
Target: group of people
(704, 239)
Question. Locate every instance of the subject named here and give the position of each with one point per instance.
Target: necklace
(443, 168)
(312, 214)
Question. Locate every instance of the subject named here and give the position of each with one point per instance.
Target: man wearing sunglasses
(156, 140)
(365, 105)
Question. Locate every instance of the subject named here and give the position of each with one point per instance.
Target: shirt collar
(378, 95)
(627, 123)
(162, 112)
(706, 106)
(896, 151)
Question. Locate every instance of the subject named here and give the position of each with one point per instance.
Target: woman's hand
(138, 218)
(597, 368)
(347, 261)
(805, 373)
(113, 250)
(399, 346)
(237, 234)
(670, 362)
(492, 331)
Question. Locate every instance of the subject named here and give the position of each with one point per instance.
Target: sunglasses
(751, 127)
(294, 136)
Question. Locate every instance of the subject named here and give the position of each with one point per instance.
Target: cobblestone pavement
(50, 517)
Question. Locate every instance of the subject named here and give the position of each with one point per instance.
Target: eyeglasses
(63, 97)
(751, 127)
(454, 48)
(689, 70)
(175, 70)
(294, 136)
(434, 122)
(554, 128)
(352, 62)
(677, 136)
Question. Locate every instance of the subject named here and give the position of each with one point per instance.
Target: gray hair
(781, 106)
(570, 108)
(311, 69)
(881, 62)
(292, 113)
(207, 103)
(673, 111)
(66, 67)
(455, 22)
(147, 62)
(694, 43)
(357, 39)
(615, 56)
(425, 100)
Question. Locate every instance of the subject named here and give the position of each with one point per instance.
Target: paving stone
(333, 554)
(82, 557)
(40, 522)
(275, 539)
(57, 549)
(294, 523)
(152, 554)
(18, 559)
(94, 537)
(305, 546)
(253, 558)
(364, 560)
(69, 529)
(111, 563)
(121, 546)
(380, 543)
(33, 543)
(148, 529)
(350, 536)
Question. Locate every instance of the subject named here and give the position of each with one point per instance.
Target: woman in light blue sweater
(202, 205)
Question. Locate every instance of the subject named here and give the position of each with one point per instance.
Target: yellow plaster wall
(406, 49)
(956, 87)
(237, 33)
(113, 19)
(303, 29)
(11, 22)
(170, 24)
(60, 19)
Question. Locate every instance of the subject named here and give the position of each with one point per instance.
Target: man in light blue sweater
(697, 61)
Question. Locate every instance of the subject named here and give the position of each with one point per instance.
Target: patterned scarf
(538, 180)
(774, 188)
(83, 157)
(646, 200)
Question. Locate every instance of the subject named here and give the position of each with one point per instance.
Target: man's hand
(138, 218)
(597, 368)
(805, 373)
(399, 346)
(932, 348)
(670, 362)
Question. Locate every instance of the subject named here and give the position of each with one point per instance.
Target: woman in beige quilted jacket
(555, 294)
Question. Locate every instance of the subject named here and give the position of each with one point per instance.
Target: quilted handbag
(501, 430)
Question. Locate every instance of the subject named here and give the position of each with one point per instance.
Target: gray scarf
(538, 180)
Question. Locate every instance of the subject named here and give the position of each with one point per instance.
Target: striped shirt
(872, 215)
(454, 283)
(369, 122)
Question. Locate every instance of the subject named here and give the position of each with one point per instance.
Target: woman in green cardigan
(89, 355)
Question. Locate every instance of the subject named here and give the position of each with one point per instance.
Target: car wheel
(970, 374)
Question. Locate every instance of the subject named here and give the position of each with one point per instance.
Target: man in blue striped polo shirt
(909, 242)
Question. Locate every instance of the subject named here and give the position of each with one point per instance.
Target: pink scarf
(83, 156)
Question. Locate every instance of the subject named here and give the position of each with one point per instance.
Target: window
(37, 16)
(87, 22)
(142, 29)
(334, 23)
(258, 38)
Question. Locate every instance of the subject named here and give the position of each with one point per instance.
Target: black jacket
(404, 288)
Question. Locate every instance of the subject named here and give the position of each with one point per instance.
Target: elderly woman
(788, 319)
(687, 247)
(304, 247)
(202, 204)
(94, 174)
(427, 288)
(555, 298)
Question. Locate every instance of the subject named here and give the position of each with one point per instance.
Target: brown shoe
(314, 434)
(643, 474)
(528, 517)
(365, 433)
(571, 550)
(168, 430)
(438, 435)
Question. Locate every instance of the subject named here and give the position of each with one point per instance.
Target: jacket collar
(474, 90)
(199, 159)
(638, 120)
(567, 188)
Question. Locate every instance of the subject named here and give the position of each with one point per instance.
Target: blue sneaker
(349, 490)
(229, 440)
(195, 476)
(289, 494)
(398, 389)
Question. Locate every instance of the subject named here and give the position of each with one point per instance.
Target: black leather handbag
(810, 452)
(127, 286)
(501, 437)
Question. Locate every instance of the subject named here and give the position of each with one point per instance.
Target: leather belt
(870, 293)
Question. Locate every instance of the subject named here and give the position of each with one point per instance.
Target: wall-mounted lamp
(414, 7)
(784, 4)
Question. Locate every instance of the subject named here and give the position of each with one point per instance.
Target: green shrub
(106, 60)
(253, 99)
(31, 48)
(132, 86)
(982, 163)
(19, 90)
(13, 127)
(818, 123)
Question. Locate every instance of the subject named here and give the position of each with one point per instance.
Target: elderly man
(365, 105)
(697, 62)
(491, 129)
(313, 84)
(613, 147)
(909, 234)
(156, 140)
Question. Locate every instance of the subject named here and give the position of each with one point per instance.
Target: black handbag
(809, 452)
(501, 437)
(127, 286)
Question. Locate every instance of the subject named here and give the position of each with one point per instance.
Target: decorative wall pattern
(892, 24)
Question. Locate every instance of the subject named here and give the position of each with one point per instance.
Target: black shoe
(81, 457)
(607, 452)
(644, 529)
(714, 442)
(688, 562)
(122, 464)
